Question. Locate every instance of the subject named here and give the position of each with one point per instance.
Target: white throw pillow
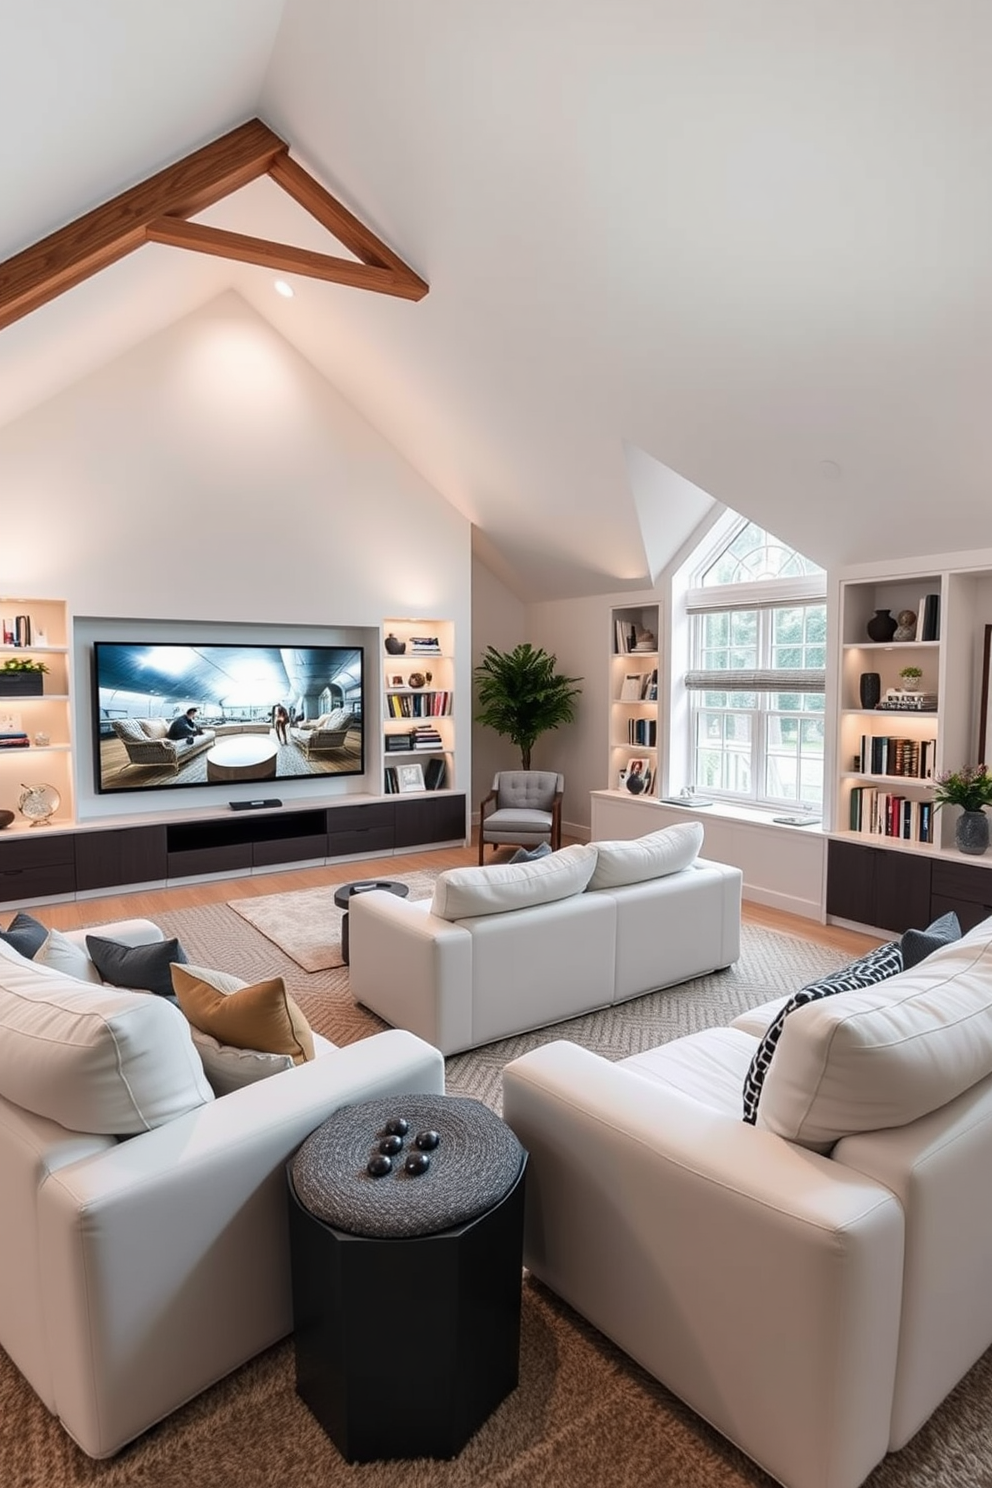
(94, 1059)
(498, 887)
(59, 953)
(652, 856)
(885, 1055)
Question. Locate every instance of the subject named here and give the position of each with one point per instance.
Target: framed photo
(395, 679)
(409, 778)
(639, 769)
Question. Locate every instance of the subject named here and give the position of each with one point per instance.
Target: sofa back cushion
(887, 1054)
(651, 856)
(153, 728)
(94, 1059)
(498, 887)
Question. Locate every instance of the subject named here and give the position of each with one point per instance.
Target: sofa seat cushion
(709, 1066)
(887, 1054)
(94, 1059)
(651, 856)
(460, 893)
(875, 966)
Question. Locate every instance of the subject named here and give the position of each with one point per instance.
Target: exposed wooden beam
(281, 256)
(91, 243)
(154, 211)
(344, 226)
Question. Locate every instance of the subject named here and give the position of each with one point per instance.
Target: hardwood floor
(146, 904)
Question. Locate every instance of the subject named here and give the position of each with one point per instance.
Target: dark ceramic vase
(971, 833)
(870, 689)
(882, 626)
(635, 784)
(394, 645)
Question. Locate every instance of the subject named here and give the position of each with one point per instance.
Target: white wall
(212, 475)
(498, 619)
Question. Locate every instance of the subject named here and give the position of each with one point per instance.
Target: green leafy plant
(911, 673)
(22, 664)
(522, 695)
(970, 788)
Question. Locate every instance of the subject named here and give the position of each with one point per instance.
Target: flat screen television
(170, 715)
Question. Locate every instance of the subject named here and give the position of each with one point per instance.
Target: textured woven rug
(583, 1415)
(306, 923)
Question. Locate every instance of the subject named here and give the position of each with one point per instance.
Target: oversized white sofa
(143, 1227)
(509, 947)
(813, 1285)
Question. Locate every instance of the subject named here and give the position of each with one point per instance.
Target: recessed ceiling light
(286, 290)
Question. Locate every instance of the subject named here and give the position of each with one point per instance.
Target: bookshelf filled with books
(634, 693)
(908, 688)
(35, 708)
(418, 740)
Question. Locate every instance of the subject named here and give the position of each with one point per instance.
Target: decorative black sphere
(391, 1145)
(379, 1166)
(417, 1163)
(398, 1126)
(427, 1140)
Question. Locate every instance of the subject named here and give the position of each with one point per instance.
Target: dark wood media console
(893, 890)
(45, 865)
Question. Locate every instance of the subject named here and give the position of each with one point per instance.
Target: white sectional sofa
(510, 947)
(143, 1227)
(813, 1285)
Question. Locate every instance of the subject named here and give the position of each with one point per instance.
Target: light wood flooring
(146, 904)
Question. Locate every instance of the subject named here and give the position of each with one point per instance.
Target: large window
(755, 683)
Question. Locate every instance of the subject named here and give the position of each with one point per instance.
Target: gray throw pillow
(873, 967)
(145, 968)
(25, 934)
(528, 854)
(918, 944)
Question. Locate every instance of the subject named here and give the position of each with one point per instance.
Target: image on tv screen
(167, 714)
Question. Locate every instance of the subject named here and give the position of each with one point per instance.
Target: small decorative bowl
(6, 817)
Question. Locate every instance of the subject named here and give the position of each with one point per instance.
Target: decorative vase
(635, 784)
(870, 689)
(394, 645)
(971, 833)
(882, 626)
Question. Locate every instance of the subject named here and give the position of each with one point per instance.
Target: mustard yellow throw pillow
(259, 1016)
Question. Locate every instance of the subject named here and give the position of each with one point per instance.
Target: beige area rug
(306, 924)
(583, 1415)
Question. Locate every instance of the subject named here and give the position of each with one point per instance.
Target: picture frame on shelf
(631, 688)
(640, 772)
(395, 679)
(409, 778)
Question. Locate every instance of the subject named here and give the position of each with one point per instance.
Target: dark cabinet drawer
(360, 829)
(37, 867)
(129, 856)
(430, 819)
(233, 857)
(289, 850)
(878, 886)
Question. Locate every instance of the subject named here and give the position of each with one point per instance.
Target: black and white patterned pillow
(875, 966)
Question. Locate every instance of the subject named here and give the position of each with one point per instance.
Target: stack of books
(425, 736)
(14, 739)
(424, 646)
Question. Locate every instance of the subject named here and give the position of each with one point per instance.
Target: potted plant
(911, 676)
(971, 789)
(22, 677)
(522, 695)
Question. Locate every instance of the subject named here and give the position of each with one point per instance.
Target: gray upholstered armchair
(525, 809)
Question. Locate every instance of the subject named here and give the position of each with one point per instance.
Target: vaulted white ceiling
(677, 249)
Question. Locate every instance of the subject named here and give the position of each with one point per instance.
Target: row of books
(643, 732)
(418, 704)
(424, 646)
(14, 739)
(640, 687)
(883, 755)
(885, 814)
